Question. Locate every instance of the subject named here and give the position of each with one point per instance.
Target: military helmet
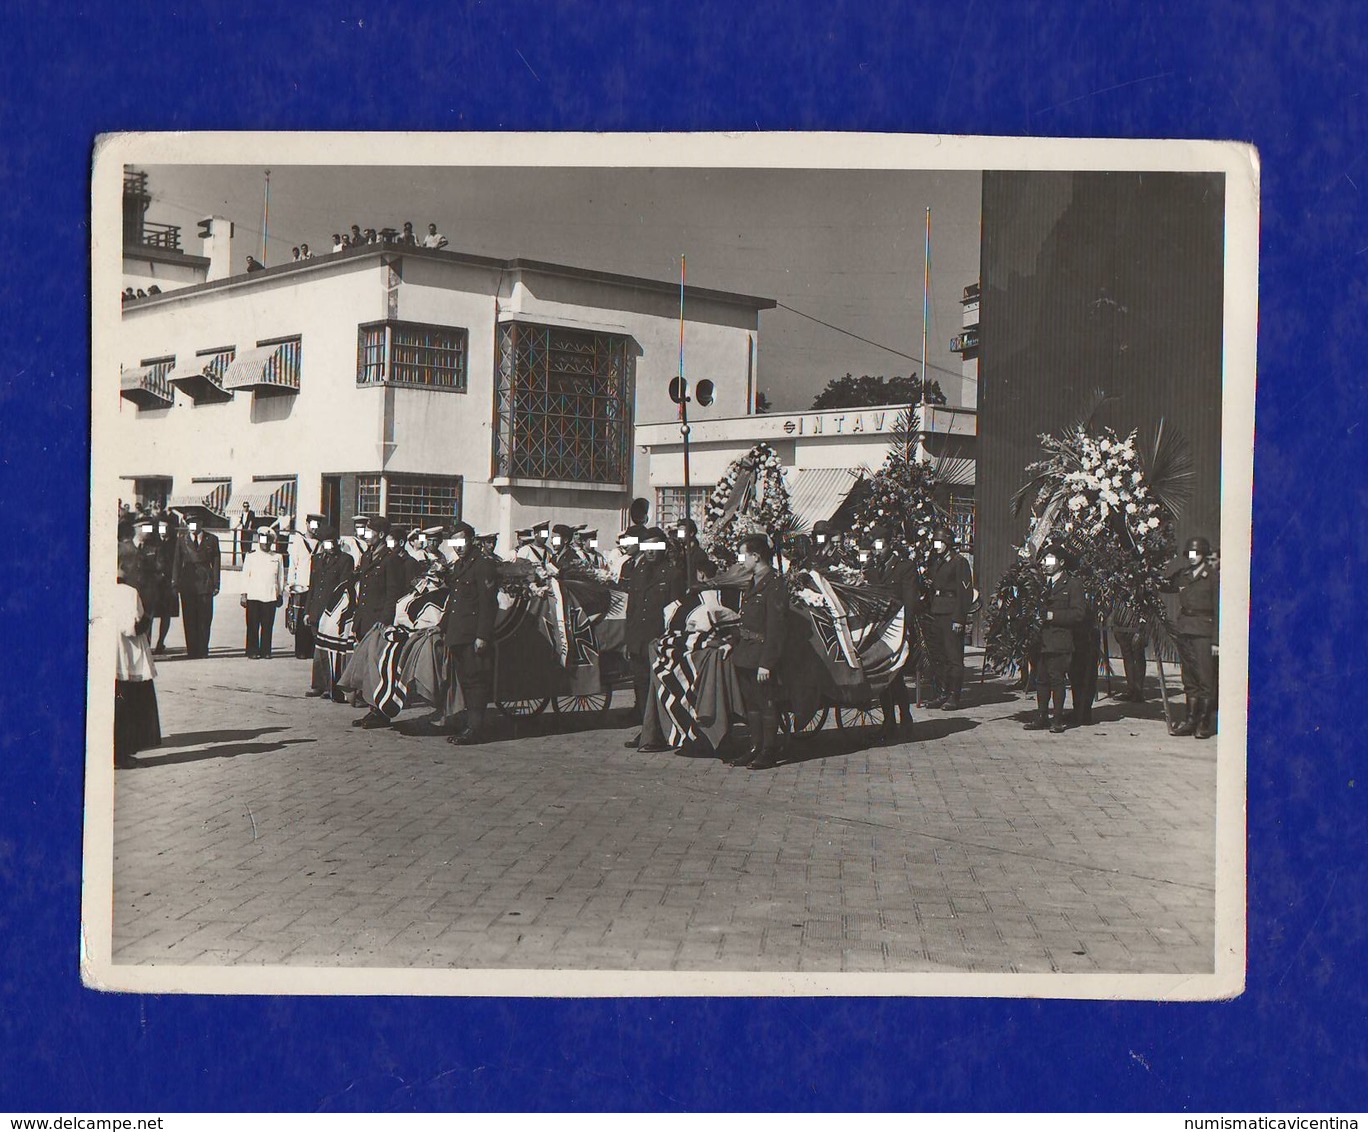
(1201, 545)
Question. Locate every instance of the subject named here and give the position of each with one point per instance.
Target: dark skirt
(137, 726)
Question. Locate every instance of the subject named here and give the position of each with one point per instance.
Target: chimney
(217, 234)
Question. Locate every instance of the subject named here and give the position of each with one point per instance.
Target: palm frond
(1170, 468)
(1091, 407)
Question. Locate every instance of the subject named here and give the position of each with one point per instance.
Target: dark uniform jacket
(696, 565)
(1068, 604)
(651, 586)
(764, 610)
(1197, 599)
(328, 572)
(472, 602)
(381, 580)
(195, 569)
(153, 587)
(950, 585)
(900, 576)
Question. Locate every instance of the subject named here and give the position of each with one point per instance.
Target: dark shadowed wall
(1107, 281)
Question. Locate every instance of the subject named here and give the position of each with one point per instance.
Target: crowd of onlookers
(357, 237)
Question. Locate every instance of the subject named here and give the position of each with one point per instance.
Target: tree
(852, 392)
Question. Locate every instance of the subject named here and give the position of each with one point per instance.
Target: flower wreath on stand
(1112, 508)
(901, 495)
(750, 498)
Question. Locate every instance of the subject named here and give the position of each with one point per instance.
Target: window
(415, 500)
(424, 501)
(961, 515)
(409, 353)
(669, 506)
(367, 495)
(563, 400)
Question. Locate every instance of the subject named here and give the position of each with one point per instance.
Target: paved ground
(267, 830)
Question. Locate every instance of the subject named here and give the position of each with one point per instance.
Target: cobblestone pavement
(267, 830)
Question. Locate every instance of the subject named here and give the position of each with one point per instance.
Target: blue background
(1290, 78)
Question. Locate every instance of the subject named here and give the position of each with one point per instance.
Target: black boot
(755, 731)
(1206, 720)
(1041, 722)
(471, 736)
(768, 747)
(1189, 724)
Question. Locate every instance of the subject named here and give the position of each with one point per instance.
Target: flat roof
(444, 255)
(164, 255)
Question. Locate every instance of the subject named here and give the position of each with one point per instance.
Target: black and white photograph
(769, 564)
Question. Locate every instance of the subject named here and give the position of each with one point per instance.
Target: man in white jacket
(263, 584)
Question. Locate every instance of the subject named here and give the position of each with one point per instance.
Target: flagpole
(265, 216)
(926, 318)
(683, 392)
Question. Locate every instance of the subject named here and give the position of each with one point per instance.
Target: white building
(823, 453)
(152, 253)
(966, 345)
(421, 384)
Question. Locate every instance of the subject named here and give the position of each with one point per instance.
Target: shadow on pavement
(227, 751)
(194, 738)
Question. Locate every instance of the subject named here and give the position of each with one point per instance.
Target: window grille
(564, 405)
(669, 506)
(368, 495)
(424, 501)
(411, 354)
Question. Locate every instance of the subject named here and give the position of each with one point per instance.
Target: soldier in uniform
(538, 551)
(330, 571)
(167, 539)
(1196, 578)
(628, 546)
(950, 586)
(1065, 607)
(152, 585)
(1131, 640)
(691, 559)
(895, 572)
(826, 544)
(562, 546)
(303, 546)
(468, 628)
(1083, 666)
(586, 546)
(653, 583)
(755, 658)
(195, 577)
(382, 577)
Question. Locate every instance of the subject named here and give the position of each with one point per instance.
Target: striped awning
(145, 386)
(818, 492)
(265, 367)
(266, 498)
(198, 382)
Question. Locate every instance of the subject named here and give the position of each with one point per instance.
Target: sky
(842, 246)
